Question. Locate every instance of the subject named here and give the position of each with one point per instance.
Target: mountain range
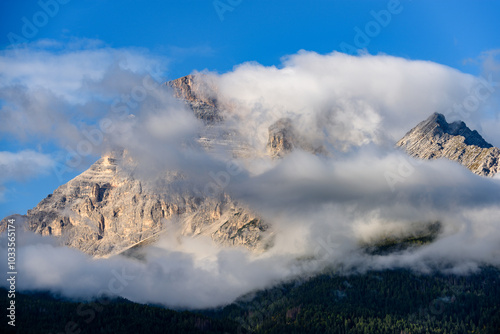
(109, 209)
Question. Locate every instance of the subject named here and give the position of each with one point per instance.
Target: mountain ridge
(435, 138)
(107, 209)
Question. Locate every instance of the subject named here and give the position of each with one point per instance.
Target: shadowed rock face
(282, 138)
(435, 138)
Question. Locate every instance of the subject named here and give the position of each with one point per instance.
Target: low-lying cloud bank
(321, 208)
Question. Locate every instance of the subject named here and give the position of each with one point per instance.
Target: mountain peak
(200, 96)
(437, 118)
(440, 126)
(435, 138)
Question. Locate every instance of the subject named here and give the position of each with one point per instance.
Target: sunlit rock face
(199, 95)
(435, 138)
(108, 208)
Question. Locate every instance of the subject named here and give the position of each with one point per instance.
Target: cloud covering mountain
(323, 208)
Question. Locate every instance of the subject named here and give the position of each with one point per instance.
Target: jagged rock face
(105, 210)
(199, 96)
(435, 138)
(108, 209)
(282, 138)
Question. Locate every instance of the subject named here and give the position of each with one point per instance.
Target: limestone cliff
(284, 138)
(199, 95)
(108, 209)
(435, 138)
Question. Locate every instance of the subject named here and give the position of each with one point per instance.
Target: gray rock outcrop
(199, 95)
(284, 138)
(435, 138)
(108, 209)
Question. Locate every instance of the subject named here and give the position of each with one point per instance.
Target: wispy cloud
(321, 207)
(66, 68)
(23, 165)
(54, 92)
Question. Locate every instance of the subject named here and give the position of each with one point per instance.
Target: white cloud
(20, 166)
(52, 92)
(66, 69)
(322, 206)
(341, 99)
(24, 164)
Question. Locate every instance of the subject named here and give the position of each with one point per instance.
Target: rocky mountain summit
(199, 95)
(108, 209)
(436, 138)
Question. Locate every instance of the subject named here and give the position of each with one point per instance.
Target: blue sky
(188, 35)
(193, 35)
